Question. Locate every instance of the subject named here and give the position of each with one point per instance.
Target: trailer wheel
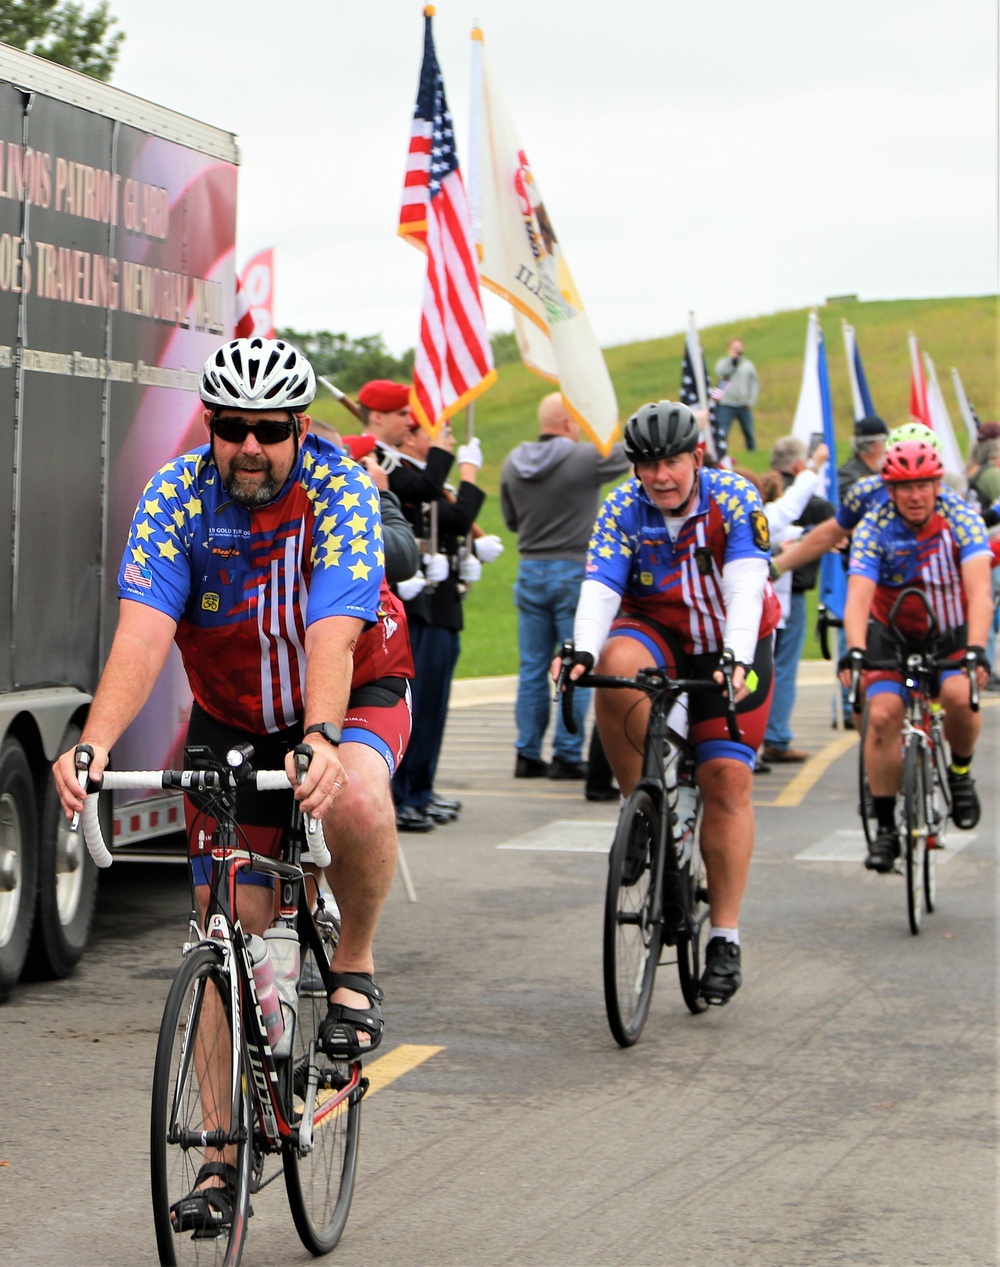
(18, 861)
(67, 886)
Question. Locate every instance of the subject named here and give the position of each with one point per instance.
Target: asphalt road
(842, 1110)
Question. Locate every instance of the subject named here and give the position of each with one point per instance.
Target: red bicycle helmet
(912, 460)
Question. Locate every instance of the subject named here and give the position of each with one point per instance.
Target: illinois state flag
(522, 261)
(453, 360)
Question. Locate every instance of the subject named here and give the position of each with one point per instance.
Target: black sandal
(337, 1035)
(207, 1209)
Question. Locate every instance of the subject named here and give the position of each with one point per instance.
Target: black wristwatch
(327, 729)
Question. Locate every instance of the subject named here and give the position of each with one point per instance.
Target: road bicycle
(923, 803)
(221, 1087)
(657, 894)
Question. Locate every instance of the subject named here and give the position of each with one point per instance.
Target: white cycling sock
(729, 934)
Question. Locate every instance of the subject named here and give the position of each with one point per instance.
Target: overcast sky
(715, 155)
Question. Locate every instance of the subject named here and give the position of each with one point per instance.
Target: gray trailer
(117, 232)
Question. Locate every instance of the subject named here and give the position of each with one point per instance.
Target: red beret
(359, 446)
(384, 395)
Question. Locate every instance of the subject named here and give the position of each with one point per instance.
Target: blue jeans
(726, 415)
(545, 593)
(787, 653)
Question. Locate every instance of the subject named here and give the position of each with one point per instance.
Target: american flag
(691, 398)
(136, 575)
(453, 362)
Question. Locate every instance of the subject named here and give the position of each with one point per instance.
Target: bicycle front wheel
(631, 919)
(690, 938)
(320, 1172)
(200, 1114)
(915, 836)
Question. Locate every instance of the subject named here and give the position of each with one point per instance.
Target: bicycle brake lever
(303, 755)
(82, 757)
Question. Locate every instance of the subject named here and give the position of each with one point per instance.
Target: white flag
(522, 261)
(941, 423)
(965, 409)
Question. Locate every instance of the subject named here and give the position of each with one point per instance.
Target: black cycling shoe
(638, 851)
(884, 851)
(722, 976)
(964, 801)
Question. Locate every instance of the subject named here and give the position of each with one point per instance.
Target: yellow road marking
(386, 1069)
(796, 789)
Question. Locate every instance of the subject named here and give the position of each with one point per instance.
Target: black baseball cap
(870, 426)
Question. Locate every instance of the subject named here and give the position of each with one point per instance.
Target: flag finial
(428, 10)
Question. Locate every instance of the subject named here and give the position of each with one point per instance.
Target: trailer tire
(67, 886)
(18, 861)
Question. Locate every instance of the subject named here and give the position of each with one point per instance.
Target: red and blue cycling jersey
(670, 570)
(895, 556)
(870, 493)
(243, 586)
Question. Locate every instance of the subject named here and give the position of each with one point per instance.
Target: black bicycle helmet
(661, 429)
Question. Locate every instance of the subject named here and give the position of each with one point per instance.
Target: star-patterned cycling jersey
(870, 493)
(243, 586)
(889, 552)
(678, 583)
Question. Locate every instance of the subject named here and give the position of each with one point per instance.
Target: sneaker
(781, 755)
(884, 851)
(530, 767)
(722, 976)
(964, 801)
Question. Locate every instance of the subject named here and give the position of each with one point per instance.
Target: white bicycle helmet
(257, 374)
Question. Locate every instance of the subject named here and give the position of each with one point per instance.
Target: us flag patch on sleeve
(136, 575)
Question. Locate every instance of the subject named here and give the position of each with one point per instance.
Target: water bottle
(686, 812)
(267, 993)
(283, 951)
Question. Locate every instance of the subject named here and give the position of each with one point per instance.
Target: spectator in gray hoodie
(549, 493)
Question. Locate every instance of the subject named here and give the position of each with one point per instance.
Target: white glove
(471, 452)
(470, 569)
(488, 549)
(436, 567)
(412, 587)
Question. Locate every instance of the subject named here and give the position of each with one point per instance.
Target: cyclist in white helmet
(260, 553)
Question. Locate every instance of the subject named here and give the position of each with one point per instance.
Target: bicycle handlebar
(185, 780)
(928, 663)
(651, 680)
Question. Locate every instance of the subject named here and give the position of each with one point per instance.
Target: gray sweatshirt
(549, 493)
(743, 386)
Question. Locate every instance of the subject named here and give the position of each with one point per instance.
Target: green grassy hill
(955, 332)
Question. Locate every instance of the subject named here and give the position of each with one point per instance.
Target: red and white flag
(920, 410)
(453, 361)
(255, 297)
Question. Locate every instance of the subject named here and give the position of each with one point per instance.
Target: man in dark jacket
(442, 520)
(867, 453)
(549, 493)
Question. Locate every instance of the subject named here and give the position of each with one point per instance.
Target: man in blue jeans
(549, 493)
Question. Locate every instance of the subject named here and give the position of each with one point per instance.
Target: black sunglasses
(235, 430)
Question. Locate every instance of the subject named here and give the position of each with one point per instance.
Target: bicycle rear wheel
(866, 803)
(319, 1178)
(193, 1094)
(631, 920)
(915, 836)
(690, 939)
